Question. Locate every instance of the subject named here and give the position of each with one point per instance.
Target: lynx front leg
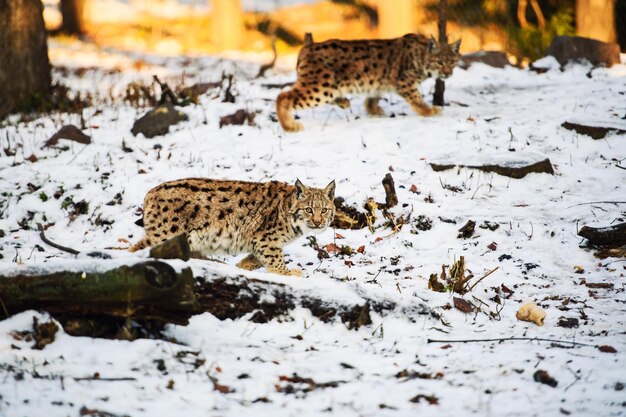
(273, 260)
(250, 263)
(414, 98)
(372, 106)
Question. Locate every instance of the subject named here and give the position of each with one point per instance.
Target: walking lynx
(231, 217)
(329, 70)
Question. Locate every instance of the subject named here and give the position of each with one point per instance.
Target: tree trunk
(440, 85)
(24, 65)
(228, 26)
(150, 290)
(396, 17)
(72, 13)
(596, 19)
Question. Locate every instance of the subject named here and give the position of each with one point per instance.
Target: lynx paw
(292, 127)
(249, 263)
(295, 272)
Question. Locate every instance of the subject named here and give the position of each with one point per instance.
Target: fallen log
(517, 170)
(149, 290)
(611, 235)
(134, 301)
(594, 132)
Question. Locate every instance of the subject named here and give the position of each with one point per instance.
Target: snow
(504, 115)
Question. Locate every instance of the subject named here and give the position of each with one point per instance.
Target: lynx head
(313, 208)
(442, 58)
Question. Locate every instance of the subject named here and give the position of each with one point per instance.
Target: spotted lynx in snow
(329, 70)
(231, 217)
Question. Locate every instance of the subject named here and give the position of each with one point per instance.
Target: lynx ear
(456, 46)
(301, 190)
(330, 190)
(432, 45)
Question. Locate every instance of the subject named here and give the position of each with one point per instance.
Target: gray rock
(577, 48)
(158, 121)
(495, 59)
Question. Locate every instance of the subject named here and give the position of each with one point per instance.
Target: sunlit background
(523, 28)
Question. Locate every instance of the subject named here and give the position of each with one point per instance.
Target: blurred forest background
(243, 28)
(524, 28)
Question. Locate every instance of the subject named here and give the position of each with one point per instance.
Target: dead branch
(48, 242)
(265, 67)
(506, 339)
(166, 92)
(391, 198)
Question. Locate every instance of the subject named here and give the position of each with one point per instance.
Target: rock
(69, 132)
(577, 48)
(158, 121)
(595, 132)
(503, 165)
(497, 59)
(544, 378)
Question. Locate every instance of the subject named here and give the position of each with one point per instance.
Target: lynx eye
(308, 210)
(324, 210)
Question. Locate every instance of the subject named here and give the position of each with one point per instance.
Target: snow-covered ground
(494, 115)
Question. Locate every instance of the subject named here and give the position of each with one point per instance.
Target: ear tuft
(330, 190)
(432, 45)
(300, 189)
(456, 46)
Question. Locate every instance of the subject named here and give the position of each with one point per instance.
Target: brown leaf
(338, 236)
(361, 249)
(224, 389)
(462, 305)
(414, 189)
(32, 158)
(69, 132)
(348, 263)
(607, 349)
(378, 239)
(445, 347)
(493, 246)
(430, 399)
(332, 248)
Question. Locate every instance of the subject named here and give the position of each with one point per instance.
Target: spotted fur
(231, 217)
(329, 70)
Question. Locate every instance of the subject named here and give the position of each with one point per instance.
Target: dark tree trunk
(72, 13)
(440, 85)
(24, 65)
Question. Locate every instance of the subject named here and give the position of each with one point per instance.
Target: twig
(598, 202)
(270, 64)
(166, 92)
(97, 378)
(51, 243)
(505, 339)
(483, 277)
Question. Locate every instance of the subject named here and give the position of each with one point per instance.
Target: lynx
(329, 70)
(231, 217)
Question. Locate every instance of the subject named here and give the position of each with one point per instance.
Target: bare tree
(440, 85)
(396, 17)
(596, 19)
(72, 14)
(228, 25)
(24, 65)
